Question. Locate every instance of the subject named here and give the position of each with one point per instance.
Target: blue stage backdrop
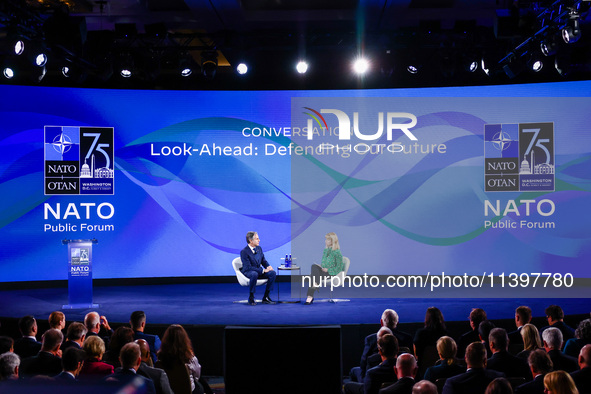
(474, 180)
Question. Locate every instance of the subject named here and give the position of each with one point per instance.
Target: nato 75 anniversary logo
(79, 160)
(519, 157)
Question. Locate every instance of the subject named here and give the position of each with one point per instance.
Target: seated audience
(137, 321)
(477, 315)
(502, 360)
(448, 365)
(28, 345)
(93, 322)
(530, 339)
(483, 331)
(476, 379)
(406, 369)
(94, 368)
(48, 361)
(555, 316)
(552, 338)
(384, 372)
(75, 336)
(426, 337)
(424, 387)
(121, 336)
(539, 364)
(573, 346)
(130, 360)
(57, 320)
(499, 386)
(559, 382)
(72, 362)
(6, 344)
(582, 377)
(9, 366)
(522, 317)
(157, 375)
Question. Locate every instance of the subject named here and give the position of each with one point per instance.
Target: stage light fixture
(473, 66)
(8, 72)
(571, 32)
(535, 63)
(19, 47)
(361, 66)
(412, 69)
(548, 46)
(127, 65)
(302, 67)
(242, 68)
(41, 59)
(186, 64)
(209, 64)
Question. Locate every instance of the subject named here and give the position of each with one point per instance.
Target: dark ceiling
(439, 36)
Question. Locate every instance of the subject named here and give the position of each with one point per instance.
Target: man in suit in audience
(130, 358)
(539, 364)
(406, 369)
(28, 345)
(93, 322)
(157, 375)
(582, 377)
(6, 344)
(72, 361)
(384, 372)
(522, 317)
(553, 342)
(502, 360)
(9, 366)
(555, 316)
(75, 336)
(477, 315)
(484, 329)
(477, 377)
(48, 361)
(137, 321)
(255, 266)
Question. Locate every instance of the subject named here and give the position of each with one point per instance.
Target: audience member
(130, 360)
(57, 320)
(121, 337)
(76, 335)
(530, 339)
(502, 360)
(582, 377)
(522, 317)
(176, 352)
(483, 331)
(137, 321)
(424, 387)
(448, 365)
(28, 345)
(406, 369)
(72, 362)
(48, 361)
(9, 366)
(476, 379)
(539, 364)
(573, 346)
(94, 368)
(157, 375)
(375, 359)
(384, 372)
(477, 315)
(427, 336)
(552, 337)
(93, 322)
(499, 386)
(559, 382)
(6, 344)
(555, 316)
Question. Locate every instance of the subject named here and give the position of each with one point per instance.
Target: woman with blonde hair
(94, 368)
(332, 264)
(448, 365)
(559, 382)
(531, 340)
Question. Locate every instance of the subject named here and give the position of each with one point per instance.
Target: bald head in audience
(424, 387)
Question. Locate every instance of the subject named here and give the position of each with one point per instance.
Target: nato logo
(79, 160)
(519, 157)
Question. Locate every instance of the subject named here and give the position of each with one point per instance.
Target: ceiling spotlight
(19, 47)
(66, 72)
(302, 67)
(572, 31)
(548, 46)
(412, 69)
(361, 66)
(242, 68)
(209, 64)
(126, 66)
(473, 66)
(8, 73)
(535, 63)
(186, 64)
(41, 59)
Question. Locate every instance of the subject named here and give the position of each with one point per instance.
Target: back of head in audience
(92, 321)
(27, 325)
(583, 330)
(585, 357)
(137, 320)
(388, 346)
(94, 347)
(72, 360)
(9, 364)
(522, 315)
(406, 366)
(539, 362)
(499, 386)
(477, 316)
(52, 340)
(498, 340)
(176, 346)
(76, 331)
(120, 337)
(484, 329)
(552, 338)
(434, 319)
(476, 355)
(447, 348)
(424, 387)
(130, 356)
(6, 344)
(559, 382)
(144, 349)
(554, 313)
(389, 319)
(57, 320)
(531, 337)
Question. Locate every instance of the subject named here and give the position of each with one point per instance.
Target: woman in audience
(176, 352)
(582, 337)
(499, 386)
(559, 382)
(448, 365)
(120, 337)
(93, 367)
(531, 340)
(332, 264)
(426, 337)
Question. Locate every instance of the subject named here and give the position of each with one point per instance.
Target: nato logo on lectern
(519, 157)
(79, 160)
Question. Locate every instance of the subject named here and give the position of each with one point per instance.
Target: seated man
(255, 266)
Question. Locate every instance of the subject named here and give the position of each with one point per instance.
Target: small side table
(291, 269)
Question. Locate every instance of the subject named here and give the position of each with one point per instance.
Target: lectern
(79, 273)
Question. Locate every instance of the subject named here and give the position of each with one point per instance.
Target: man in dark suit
(94, 322)
(553, 342)
(9, 366)
(555, 316)
(406, 369)
(522, 317)
(477, 315)
(48, 361)
(72, 361)
(28, 345)
(255, 266)
(539, 364)
(157, 375)
(502, 360)
(130, 358)
(476, 378)
(582, 377)
(384, 372)
(75, 336)
(137, 321)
